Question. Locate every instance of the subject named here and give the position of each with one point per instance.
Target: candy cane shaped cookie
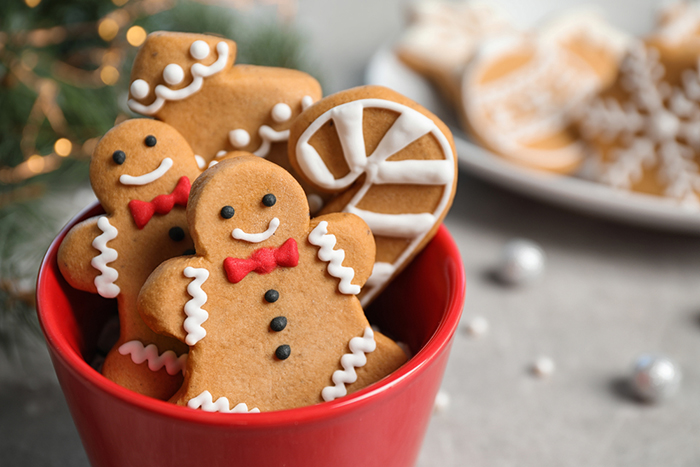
(387, 160)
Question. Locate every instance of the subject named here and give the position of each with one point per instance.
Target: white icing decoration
(320, 237)
(220, 153)
(359, 346)
(658, 128)
(680, 23)
(212, 163)
(206, 403)
(196, 315)
(140, 89)
(150, 177)
(168, 359)
(201, 162)
(395, 225)
(269, 136)
(239, 138)
(410, 126)
(239, 234)
(306, 102)
(108, 275)
(381, 272)
(199, 50)
(281, 112)
(198, 71)
(173, 74)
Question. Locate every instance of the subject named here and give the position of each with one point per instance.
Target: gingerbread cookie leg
(388, 160)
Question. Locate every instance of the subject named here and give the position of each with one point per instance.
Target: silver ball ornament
(655, 378)
(522, 261)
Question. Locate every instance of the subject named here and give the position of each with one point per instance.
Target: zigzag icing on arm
(320, 237)
(206, 403)
(105, 281)
(359, 346)
(168, 359)
(196, 315)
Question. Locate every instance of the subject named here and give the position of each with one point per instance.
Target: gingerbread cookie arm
(77, 246)
(172, 300)
(349, 234)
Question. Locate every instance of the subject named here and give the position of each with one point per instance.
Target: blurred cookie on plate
(443, 36)
(520, 91)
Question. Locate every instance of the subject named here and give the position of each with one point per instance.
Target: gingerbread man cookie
(386, 159)
(190, 82)
(141, 172)
(268, 304)
(520, 91)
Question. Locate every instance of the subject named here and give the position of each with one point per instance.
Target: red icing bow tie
(262, 261)
(142, 211)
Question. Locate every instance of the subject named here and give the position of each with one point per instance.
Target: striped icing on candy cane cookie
(388, 160)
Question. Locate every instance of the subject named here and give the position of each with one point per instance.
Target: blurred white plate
(387, 70)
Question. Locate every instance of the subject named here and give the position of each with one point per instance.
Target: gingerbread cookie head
(140, 159)
(172, 66)
(272, 206)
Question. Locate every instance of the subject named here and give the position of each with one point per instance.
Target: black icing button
(278, 324)
(189, 251)
(227, 212)
(271, 296)
(118, 157)
(150, 141)
(177, 234)
(269, 200)
(283, 352)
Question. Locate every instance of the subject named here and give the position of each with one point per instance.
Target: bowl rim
(80, 369)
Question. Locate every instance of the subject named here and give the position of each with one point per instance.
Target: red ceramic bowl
(382, 425)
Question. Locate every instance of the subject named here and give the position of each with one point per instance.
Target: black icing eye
(189, 251)
(177, 234)
(150, 141)
(118, 157)
(227, 212)
(269, 200)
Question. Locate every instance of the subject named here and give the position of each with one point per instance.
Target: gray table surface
(609, 293)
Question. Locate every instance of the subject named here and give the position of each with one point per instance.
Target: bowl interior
(420, 308)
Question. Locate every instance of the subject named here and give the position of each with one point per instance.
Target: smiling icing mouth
(238, 234)
(150, 176)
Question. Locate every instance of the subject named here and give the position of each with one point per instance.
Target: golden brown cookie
(645, 129)
(519, 92)
(442, 37)
(190, 82)
(141, 172)
(386, 159)
(268, 304)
